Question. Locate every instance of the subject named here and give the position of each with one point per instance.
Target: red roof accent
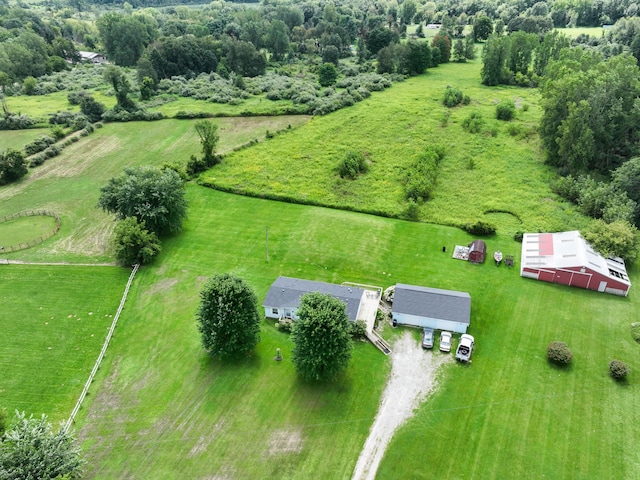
(546, 244)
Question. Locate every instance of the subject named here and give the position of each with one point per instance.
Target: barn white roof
(568, 250)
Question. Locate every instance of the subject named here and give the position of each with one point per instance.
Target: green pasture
(70, 183)
(577, 31)
(25, 229)
(503, 413)
(480, 174)
(54, 320)
(17, 139)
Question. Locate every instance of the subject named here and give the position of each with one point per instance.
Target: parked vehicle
(465, 348)
(427, 338)
(445, 341)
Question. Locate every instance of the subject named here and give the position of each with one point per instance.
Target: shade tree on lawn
(321, 337)
(152, 195)
(228, 316)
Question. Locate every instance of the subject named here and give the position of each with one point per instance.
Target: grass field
(182, 405)
(161, 408)
(480, 173)
(69, 184)
(24, 229)
(53, 322)
(17, 139)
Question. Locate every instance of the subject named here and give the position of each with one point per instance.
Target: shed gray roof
(285, 292)
(432, 303)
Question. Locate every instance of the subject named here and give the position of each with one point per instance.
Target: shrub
(412, 212)
(352, 165)
(38, 145)
(518, 236)
(635, 331)
(358, 329)
(453, 97)
(480, 228)
(619, 370)
(559, 353)
(505, 110)
(473, 123)
(421, 178)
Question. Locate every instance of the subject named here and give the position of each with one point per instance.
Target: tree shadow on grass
(250, 360)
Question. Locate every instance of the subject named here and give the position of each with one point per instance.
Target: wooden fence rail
(85, 390)
(34, 241)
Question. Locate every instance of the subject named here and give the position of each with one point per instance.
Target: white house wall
(435, 323)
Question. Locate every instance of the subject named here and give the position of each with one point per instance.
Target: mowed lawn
(165, 409)
(53, 320)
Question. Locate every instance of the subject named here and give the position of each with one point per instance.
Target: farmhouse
(431, 307)
(283, 297)
(566, 258)
(92, 57)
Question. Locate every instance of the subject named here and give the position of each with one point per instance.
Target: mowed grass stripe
(54, 321)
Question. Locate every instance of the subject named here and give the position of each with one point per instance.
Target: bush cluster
(619, 370)
(124, 116)
(71, 120)
(182, 114)
(353, 164)
(38, 145)
(505, 110)
(16, 122)
(208, 87)
(559, 353)
(454, 97)
(480, 228)
(596, 199)
(421, 177)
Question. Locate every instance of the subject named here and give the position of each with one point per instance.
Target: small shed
(477, 251)
(431, 307)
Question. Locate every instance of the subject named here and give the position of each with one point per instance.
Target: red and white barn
(566, 258)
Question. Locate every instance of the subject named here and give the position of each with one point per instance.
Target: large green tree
(321, 337)
(615, 239)
(12, 166)
(152, 195)
(228, 316)
(125, 36)
(115, 77)
(31, 450)
(133, 243)
(482, 28)
(277, 39)
(494, 58)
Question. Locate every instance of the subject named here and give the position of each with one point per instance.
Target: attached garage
(566, 258)
(431, 307)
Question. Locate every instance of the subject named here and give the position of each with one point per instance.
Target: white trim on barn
(431, 307)
(566, 258)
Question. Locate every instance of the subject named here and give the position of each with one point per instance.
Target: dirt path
(412, 379)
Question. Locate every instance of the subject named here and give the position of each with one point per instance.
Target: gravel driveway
(412, 379)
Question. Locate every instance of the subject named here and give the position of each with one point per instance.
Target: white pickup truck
(465, 348)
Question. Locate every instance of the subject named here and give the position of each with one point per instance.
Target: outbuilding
(431, 307)
(566, 258)
(477, 251)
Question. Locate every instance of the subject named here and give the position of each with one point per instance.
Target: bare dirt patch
(412, 379)
(285, 441)
(162, 286)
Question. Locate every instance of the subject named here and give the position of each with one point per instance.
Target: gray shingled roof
(285, 292)
(432, 303)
